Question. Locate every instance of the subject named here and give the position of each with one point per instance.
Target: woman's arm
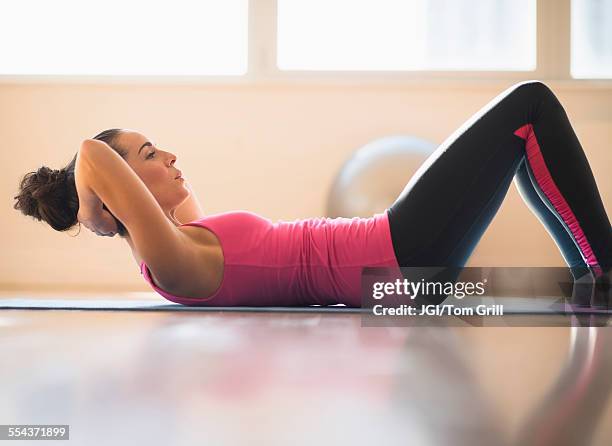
(91, 212)
(162, 246)
(190, 209)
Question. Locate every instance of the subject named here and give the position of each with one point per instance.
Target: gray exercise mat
(512, 305)
(145, 305)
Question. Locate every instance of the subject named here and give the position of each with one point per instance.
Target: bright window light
(123, 37)
(591, 31)
(407, 35)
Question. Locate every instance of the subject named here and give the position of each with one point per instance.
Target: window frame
(552, 61)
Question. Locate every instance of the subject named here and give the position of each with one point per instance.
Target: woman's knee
(533, 88)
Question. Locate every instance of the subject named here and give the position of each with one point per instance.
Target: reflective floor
(301, 379)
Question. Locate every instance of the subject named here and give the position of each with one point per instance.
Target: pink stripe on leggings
(552, 192)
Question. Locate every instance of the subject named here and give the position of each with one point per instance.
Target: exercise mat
(511, 305)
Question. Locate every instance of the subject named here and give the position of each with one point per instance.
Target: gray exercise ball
(375, 175)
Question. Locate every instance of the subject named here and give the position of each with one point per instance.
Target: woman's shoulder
(201, 267)
(201, 233)
(200, 246)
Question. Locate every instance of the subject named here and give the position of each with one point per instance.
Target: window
(591, 37)
(406, 35)
(246, 41)
(124, 37)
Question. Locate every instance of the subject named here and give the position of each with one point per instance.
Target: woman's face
(156, 169)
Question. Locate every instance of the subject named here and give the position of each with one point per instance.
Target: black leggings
(525, 134)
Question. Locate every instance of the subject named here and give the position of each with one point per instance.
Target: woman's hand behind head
(99, 221)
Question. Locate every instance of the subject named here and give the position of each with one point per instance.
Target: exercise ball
(375, 175)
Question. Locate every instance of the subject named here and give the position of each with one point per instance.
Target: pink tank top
(314, 261)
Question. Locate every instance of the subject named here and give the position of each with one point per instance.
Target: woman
(119, 182)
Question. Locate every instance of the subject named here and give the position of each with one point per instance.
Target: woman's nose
(172, 159)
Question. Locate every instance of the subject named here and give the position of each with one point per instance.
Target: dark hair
(51, 195)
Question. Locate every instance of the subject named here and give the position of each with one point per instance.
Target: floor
(131, 377)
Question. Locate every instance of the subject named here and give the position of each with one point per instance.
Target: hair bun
(47, 175)
(46, 195)
(45, 180)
